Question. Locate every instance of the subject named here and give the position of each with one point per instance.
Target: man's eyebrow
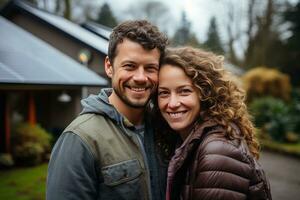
(153, 65)
(128, 61)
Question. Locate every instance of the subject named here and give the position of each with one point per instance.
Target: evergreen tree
(291, 67)
(213, 42)
(106, 17)
(293, 16)
(183, 35)
(3, 2)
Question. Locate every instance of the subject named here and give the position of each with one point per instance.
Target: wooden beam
(32, 110)
(7, 126)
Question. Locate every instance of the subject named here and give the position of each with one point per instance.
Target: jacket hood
(99, 104)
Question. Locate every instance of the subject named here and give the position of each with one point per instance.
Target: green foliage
(295, 110)
(263, 81)
(286, 148)
(23, 183)
(276, 118)
(28, 154)
(106, 17)
(213, 42)
(272, 115)
(6, 161)
(30, 144)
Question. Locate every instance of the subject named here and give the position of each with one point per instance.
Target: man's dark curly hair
(140, 31)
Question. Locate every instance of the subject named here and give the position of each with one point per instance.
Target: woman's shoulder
(216, 144)
(221, 156)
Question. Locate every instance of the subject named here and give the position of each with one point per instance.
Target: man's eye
(152, 69)
(128, 66)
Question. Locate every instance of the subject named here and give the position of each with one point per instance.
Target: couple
(195, 141)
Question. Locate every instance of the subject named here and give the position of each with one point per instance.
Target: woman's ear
(108, 67)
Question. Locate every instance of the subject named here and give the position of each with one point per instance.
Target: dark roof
(25, 59)
(67, 27)
(100, 30)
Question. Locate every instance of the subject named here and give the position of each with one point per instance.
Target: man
(108, 151)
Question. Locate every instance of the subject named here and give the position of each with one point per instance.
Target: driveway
(284, 175)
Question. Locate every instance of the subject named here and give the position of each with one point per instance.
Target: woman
(217, 155)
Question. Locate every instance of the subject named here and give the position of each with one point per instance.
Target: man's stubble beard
(126, 101)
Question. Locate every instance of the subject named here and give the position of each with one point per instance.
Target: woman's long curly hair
(220, 97)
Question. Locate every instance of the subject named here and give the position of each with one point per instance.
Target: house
(64, 35)
(41, 79)
(98, 29)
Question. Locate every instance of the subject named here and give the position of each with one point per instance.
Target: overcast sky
(198, 12)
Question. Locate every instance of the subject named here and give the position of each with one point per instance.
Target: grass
(292, 149)
(23, 183)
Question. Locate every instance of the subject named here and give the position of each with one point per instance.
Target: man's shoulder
(93, 129)
(85, 122)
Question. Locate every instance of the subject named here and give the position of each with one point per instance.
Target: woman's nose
(174, 102)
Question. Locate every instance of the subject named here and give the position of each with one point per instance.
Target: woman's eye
(185, 91)
(162, 93)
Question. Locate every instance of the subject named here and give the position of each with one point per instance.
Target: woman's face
(178, 99)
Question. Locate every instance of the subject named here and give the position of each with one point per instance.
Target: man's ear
(108, 67)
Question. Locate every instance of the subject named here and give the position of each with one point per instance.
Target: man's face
(134, 73)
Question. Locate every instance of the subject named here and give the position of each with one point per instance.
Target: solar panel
(8, 76)
(68, 27)
(25, 58)
(98, 29)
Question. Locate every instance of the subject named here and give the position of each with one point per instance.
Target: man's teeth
(138, 89)
(176, 114)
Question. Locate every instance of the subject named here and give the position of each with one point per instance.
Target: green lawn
(290, 149)
(23, 183)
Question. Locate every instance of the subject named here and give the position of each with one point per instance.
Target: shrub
(295, 110)
(272, 115)
(6, 161)
(263, 81)
(30, 144)
(29, 153)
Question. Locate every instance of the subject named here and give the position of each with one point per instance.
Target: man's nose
(140, 75)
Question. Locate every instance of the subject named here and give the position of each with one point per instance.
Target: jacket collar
(187, 147)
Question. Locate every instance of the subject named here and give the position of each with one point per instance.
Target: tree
(253, 32)
(64, 7)
(292, 15)
(259, 43)
(183, 35)
(106, 17)
(34, 2)
(67, 13)
(3, 2)
(154, 11)
(213, 42)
